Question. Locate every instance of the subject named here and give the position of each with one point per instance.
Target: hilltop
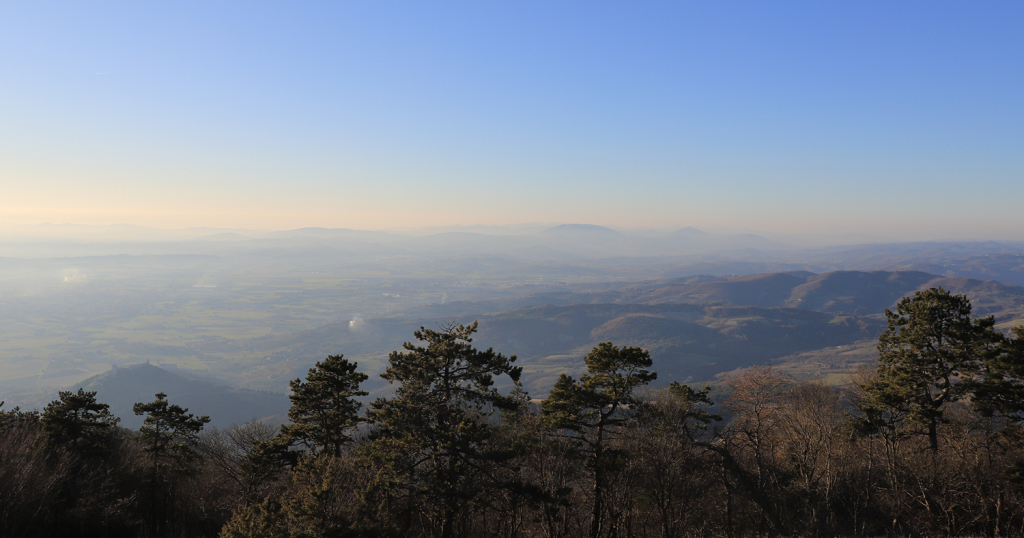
(122, 387)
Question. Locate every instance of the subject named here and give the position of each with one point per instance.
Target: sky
(901, 119)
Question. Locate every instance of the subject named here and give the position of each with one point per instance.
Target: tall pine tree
(438, 421)
(592, 408)
(170, 435)
(930, 355)
(324, 411)
(76, 422)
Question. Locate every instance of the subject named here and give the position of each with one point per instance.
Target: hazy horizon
(122, 231)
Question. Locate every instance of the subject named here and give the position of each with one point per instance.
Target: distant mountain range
(566, 241)
(571, 250)
(695, 327)
(581, 229)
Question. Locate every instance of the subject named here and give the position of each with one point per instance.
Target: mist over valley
(252, 310)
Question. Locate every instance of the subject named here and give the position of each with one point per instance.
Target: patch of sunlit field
(832, 366)
(1009, 324)
(540, 374)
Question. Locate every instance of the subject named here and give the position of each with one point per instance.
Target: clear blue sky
(900, 118)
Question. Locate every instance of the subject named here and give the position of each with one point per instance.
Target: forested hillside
(928, 441)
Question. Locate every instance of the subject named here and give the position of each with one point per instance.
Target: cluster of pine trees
(928, 443)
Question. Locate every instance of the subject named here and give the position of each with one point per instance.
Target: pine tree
(76, 422)
(169, 432)
(323, 411)
(1002, 390)
(170, 435)
(592, 408)
(930, 354)
(438, 421)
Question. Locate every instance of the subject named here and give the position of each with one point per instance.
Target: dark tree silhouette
(438, 417)
(592, 408)
(76, 422)
(929, 355)
(169, 434)
(324, 411)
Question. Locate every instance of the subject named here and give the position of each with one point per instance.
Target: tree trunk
(595, 523)
(446, 527)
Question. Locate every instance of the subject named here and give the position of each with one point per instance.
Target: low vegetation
(929, 442)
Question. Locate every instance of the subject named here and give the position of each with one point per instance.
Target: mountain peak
(689, 231)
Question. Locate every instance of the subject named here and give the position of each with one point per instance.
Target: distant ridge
(318, 232)
(861, 293)
(225, 236)
(580, 229)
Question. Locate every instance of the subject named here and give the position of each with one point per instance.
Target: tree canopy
(930, 354)
(437, 422)
(593, 406)
(76, 422)
(324, 410)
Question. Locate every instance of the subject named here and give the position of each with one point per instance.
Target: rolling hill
(687, 342)
(695, 327)
(123, 387)
(855, 293)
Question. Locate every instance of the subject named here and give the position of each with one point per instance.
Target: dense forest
(928, 442)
